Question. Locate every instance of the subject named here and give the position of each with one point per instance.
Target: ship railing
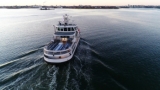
(50, 52)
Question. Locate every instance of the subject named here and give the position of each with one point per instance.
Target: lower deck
(58, 45)
(60, 56)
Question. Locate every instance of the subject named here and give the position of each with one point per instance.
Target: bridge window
(65, 29)
(58, 29)
(72, 29)
(69, 29)
(61, 29)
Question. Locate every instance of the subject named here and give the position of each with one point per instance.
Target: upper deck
(65, 28)
(66, 25)
(66, 22)
(64, 33)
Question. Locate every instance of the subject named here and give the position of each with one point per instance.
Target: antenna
(72, 21)
(66, 19)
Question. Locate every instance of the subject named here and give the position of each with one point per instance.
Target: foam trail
(82, 66)
(105, 65)
(120, 85)
(8, 63)
(85, 42)
(16, 59)
(21, 75)
(67, 77)
(53, 84)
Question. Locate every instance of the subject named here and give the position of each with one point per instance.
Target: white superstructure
(64, 42)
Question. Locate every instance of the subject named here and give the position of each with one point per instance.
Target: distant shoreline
(80, 7)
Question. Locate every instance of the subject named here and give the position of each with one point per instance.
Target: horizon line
(82, 5)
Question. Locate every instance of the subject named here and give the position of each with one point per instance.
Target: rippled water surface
(118, 50)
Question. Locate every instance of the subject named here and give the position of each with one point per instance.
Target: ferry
(44, 8)
(64, 42)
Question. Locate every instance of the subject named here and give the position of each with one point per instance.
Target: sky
(79, 2)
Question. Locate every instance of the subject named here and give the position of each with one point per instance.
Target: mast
(66, 19)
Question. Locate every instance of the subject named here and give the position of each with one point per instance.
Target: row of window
(66, 29)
